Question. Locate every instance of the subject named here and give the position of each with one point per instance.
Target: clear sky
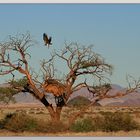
(114, 30)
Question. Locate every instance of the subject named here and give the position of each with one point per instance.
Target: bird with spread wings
(47, 40)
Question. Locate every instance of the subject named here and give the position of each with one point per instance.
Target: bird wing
(45, 38)
(50, 39)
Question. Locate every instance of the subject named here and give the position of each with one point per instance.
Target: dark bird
(47, 40)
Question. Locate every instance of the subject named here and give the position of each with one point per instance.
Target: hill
(78, 101)
(132, 99)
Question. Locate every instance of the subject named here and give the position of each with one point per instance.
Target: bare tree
(82, 62)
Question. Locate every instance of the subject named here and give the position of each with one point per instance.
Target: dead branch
(133, 84)
(82, 61)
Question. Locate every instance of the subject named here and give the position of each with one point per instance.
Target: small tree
(8, 91)
(6, 94)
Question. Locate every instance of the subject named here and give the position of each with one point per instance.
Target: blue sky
(113, 29)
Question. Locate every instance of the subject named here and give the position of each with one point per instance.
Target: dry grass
(40, 112)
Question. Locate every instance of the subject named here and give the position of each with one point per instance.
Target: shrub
(98, 123)
(107, 122)
(118, 121)
(1, 124)
(84, 125)
(5, 120)
(78, 101)
(19, 122)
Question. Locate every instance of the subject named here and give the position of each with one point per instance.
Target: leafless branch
(133, 84)
(83, 61)
(48, 69)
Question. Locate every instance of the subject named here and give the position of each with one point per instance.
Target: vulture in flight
(47, 40)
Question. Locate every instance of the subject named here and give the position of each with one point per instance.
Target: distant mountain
(82, 92)
(132, 99)
(25, 98)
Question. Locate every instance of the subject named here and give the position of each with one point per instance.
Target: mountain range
(132, 99)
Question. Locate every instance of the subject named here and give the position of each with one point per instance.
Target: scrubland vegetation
(96, 121)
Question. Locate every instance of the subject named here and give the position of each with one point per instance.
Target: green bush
(107, 122)
(98, 123)
(6, 94)
(19, 122)
(118, 121)
(84, 125)
(78, 101)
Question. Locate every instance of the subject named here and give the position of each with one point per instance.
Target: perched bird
(47, 40)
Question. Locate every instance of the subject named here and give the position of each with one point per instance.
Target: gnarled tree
(81, 62)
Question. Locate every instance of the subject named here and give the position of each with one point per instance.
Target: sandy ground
(70, 134)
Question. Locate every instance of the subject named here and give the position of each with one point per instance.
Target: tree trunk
(55, 114)
(58, 113)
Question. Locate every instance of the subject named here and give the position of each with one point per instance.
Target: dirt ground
(71, 134)
(40, 112)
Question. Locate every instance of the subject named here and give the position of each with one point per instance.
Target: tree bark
(58, 113)
(55, 114)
